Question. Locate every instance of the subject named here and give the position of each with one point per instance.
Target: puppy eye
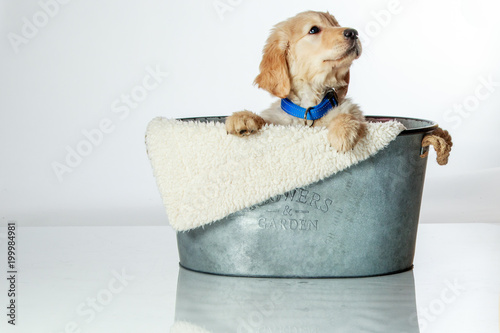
(314, 30)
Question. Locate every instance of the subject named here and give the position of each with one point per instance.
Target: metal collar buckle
(332, 96)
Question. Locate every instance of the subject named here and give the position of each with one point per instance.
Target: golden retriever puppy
(306, 63)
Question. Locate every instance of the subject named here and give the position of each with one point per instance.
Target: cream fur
(203, 174)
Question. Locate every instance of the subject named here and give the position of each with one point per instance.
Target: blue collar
(313, 113)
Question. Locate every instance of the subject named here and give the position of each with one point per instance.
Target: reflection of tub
(360, 222)
(222, 304)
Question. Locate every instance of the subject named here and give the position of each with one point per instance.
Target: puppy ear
(274, 75)
(342, 92)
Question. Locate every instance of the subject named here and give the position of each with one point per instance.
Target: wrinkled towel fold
(204, 174)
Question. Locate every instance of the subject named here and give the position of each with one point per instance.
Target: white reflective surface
(229, 304)
(126, 279)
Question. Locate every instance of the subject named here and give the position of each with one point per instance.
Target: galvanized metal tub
(359, 222)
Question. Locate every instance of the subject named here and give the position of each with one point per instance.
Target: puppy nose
(351, 33)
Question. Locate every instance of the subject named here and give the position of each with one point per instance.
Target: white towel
(185, 327)
(204, 174)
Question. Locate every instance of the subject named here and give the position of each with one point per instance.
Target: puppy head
(308, 49)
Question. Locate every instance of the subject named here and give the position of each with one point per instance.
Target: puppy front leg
(344, 131)
(244, 123)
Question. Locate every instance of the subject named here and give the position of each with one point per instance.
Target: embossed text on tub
(288, 224)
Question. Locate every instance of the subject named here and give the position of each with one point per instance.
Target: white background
(69, 75)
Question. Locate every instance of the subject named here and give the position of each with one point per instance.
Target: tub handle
(441, 140)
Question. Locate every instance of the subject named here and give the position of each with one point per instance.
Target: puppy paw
(344, 131)
(244, 123)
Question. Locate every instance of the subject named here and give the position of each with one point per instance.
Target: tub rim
(423, 129)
